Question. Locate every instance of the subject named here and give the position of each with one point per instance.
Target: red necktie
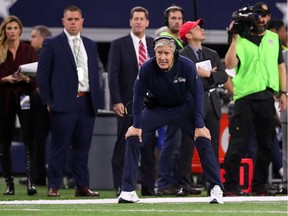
(142, 54)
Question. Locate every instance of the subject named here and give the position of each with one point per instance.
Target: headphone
(176, 52)
(172, 8)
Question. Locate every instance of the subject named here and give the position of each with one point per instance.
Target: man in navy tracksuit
(173, 95)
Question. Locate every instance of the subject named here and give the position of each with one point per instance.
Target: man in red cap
(211, 75)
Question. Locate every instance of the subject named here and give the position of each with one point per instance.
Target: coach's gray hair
(166, 42)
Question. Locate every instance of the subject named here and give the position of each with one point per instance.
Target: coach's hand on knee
(202, 132)
(132, 131)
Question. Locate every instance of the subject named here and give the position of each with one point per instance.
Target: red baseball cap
(187, 26)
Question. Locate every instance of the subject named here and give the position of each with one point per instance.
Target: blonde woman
(16, 97)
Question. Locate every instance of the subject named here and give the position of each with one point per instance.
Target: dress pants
(71, 131)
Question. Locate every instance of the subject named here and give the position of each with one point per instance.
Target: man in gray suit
(123, 66)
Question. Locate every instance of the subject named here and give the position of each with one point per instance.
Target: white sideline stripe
(146, 200)
(58, 210)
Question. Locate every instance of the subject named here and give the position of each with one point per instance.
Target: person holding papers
(16, 97)
(41, 117)
(212, 72)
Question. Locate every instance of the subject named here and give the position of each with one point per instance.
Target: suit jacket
(216, 78)
(123, 68)
(57, 74)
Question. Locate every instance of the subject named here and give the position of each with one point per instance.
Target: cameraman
(260, 73)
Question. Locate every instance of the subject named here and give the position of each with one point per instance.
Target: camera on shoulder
(243, 21)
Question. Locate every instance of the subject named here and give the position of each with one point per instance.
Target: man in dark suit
(123, 66)
(193, 35)
(69, 85)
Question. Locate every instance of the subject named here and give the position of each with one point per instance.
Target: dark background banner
(115, 13)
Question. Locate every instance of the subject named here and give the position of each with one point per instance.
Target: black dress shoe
(187, 192)
(148, 192)
(85, 192)
(194, 191)
(183, 192)
(168, 191)
(31, 190)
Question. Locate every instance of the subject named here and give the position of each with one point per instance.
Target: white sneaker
(216, 195)
(128, 197)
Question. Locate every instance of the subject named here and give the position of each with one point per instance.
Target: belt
(81, 94)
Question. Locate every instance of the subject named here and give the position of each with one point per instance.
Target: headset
(176, 52)
(172, 8)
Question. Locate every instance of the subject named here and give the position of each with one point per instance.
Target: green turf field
(179, 209)
(68, 204)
